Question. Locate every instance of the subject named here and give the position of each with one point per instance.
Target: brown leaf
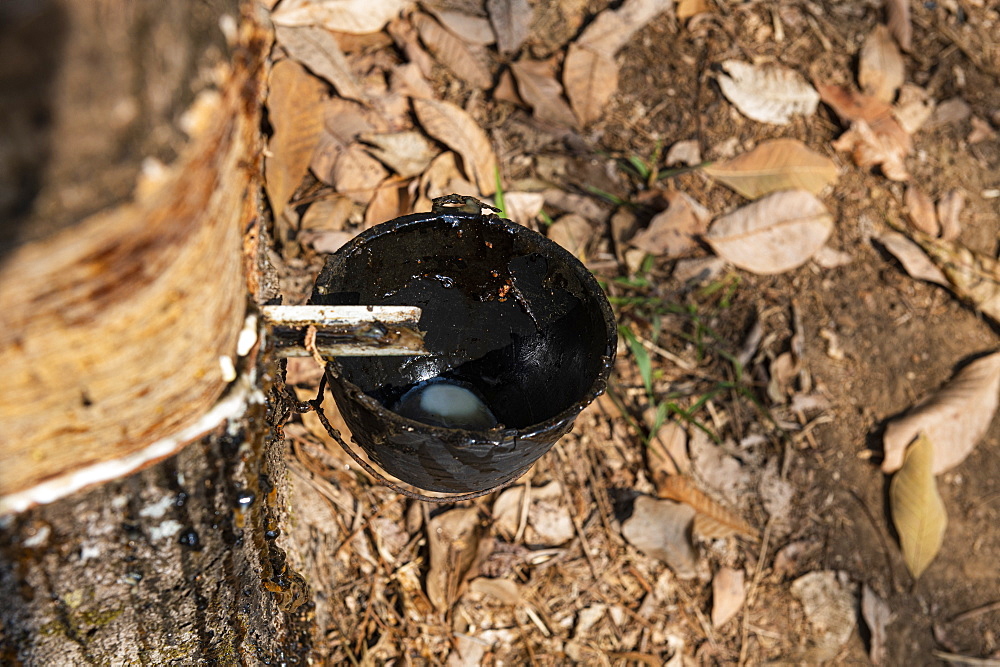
(875, 137)
(667, 453)
(511, 21)
(674, 231)
(917, 509)
(453, 542)
(728, 594)
(537, 85)
(457, 130)
(357, 174)
(688, 8)
(384, 206)
(452, 52)
(354, 16)
(407, 153)
(767, 93)
(318, 50)
(955, 417)
(898, 18)
(661, 530)
(591, 78)
(775, 234)
(327, 215)
(405, 36)
(949, 208)
(779, 164)
(523, 207)
(880, 66)
(920, 211)
(472, 29)
(913, 108)
(722, 522)
(295, 107)
(572, 232)
(613, 28)
(915, 261)
(406, 80)
(972, 276)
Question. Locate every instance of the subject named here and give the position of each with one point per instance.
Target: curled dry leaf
(661, 529)
(407, 153)
(915, 261)
(954, 418)
(457, 130)
(318, 50)
(572, 232)
(875, 137)
(295, 106)
(353, 16)
(972, 276)
(538, 87)
(591, 78)
(674, 231)
(949, 208)
(920, 211)
(767, 93)
(452, 52)
(880, 67)
(721, 522)
(728, 594)
(775, 234)
(453, 542)
(780, 164)
(511, 21)
(917, 509)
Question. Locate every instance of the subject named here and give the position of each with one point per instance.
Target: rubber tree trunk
(137, 511)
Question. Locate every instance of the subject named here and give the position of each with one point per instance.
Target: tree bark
(129, 249)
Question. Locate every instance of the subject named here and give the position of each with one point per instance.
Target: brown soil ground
(873, 341)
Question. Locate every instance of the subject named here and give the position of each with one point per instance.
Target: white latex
(444, 404)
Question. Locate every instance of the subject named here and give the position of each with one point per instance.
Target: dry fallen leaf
(572, 232)
(767, 93)
(613, 28)
(457, 130)
(913, 108)
(357, 174)
(728, 594)
(661, 529)
(318, 50)
(775, 234)
(354, 16)
(452, 52)
(954, 418)
(453, 542)
(523, 207)
(684, 152)
(949, 208)
(384, 206)
(920, 211)
(880, 66)
(917, 509)
(688, 8)
(972, 276)
(779, 164)
(407, 153)
(511, 21)
(295, 107)
(875, 137)
(473, 29)
(667, 453)
(327, 215)
(829, 608)
(915, 261)
(674, 231)
(898, 19)
(539, 88)
(877, 617)
(713, 521)
(591, 78)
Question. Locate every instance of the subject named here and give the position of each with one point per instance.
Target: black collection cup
(508, 314)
